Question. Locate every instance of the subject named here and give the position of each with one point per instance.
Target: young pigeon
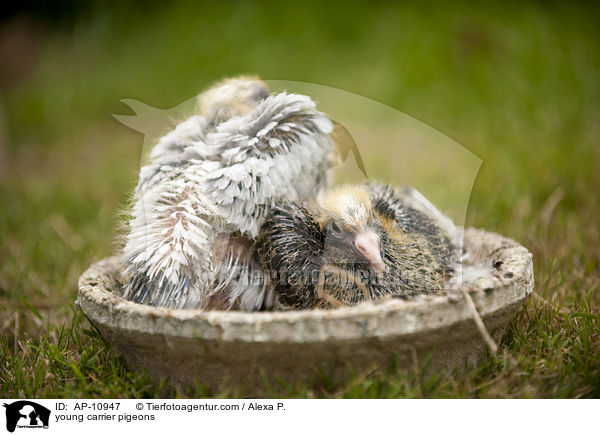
(366, 241)
(207, 189)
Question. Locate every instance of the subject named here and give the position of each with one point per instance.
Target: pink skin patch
(369, 245)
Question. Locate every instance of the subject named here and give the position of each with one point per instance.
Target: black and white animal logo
(26, 414)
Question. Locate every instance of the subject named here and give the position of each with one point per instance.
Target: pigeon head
(353, 234)
(232, 97)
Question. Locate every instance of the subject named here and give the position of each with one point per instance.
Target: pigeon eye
(335, 228)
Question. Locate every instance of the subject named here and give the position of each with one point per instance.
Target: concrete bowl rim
(95, 295)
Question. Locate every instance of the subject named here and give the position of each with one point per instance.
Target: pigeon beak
(368, 244)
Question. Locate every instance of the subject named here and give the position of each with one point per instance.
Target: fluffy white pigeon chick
(207, 188)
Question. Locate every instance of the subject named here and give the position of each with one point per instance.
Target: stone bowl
(217, 348)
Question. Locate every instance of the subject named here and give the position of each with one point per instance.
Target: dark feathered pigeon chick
(366, 242)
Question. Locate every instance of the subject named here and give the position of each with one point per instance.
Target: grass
(519, 85)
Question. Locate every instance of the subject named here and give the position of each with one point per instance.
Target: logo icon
(26, 414)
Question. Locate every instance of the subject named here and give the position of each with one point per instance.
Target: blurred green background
(517, 83)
